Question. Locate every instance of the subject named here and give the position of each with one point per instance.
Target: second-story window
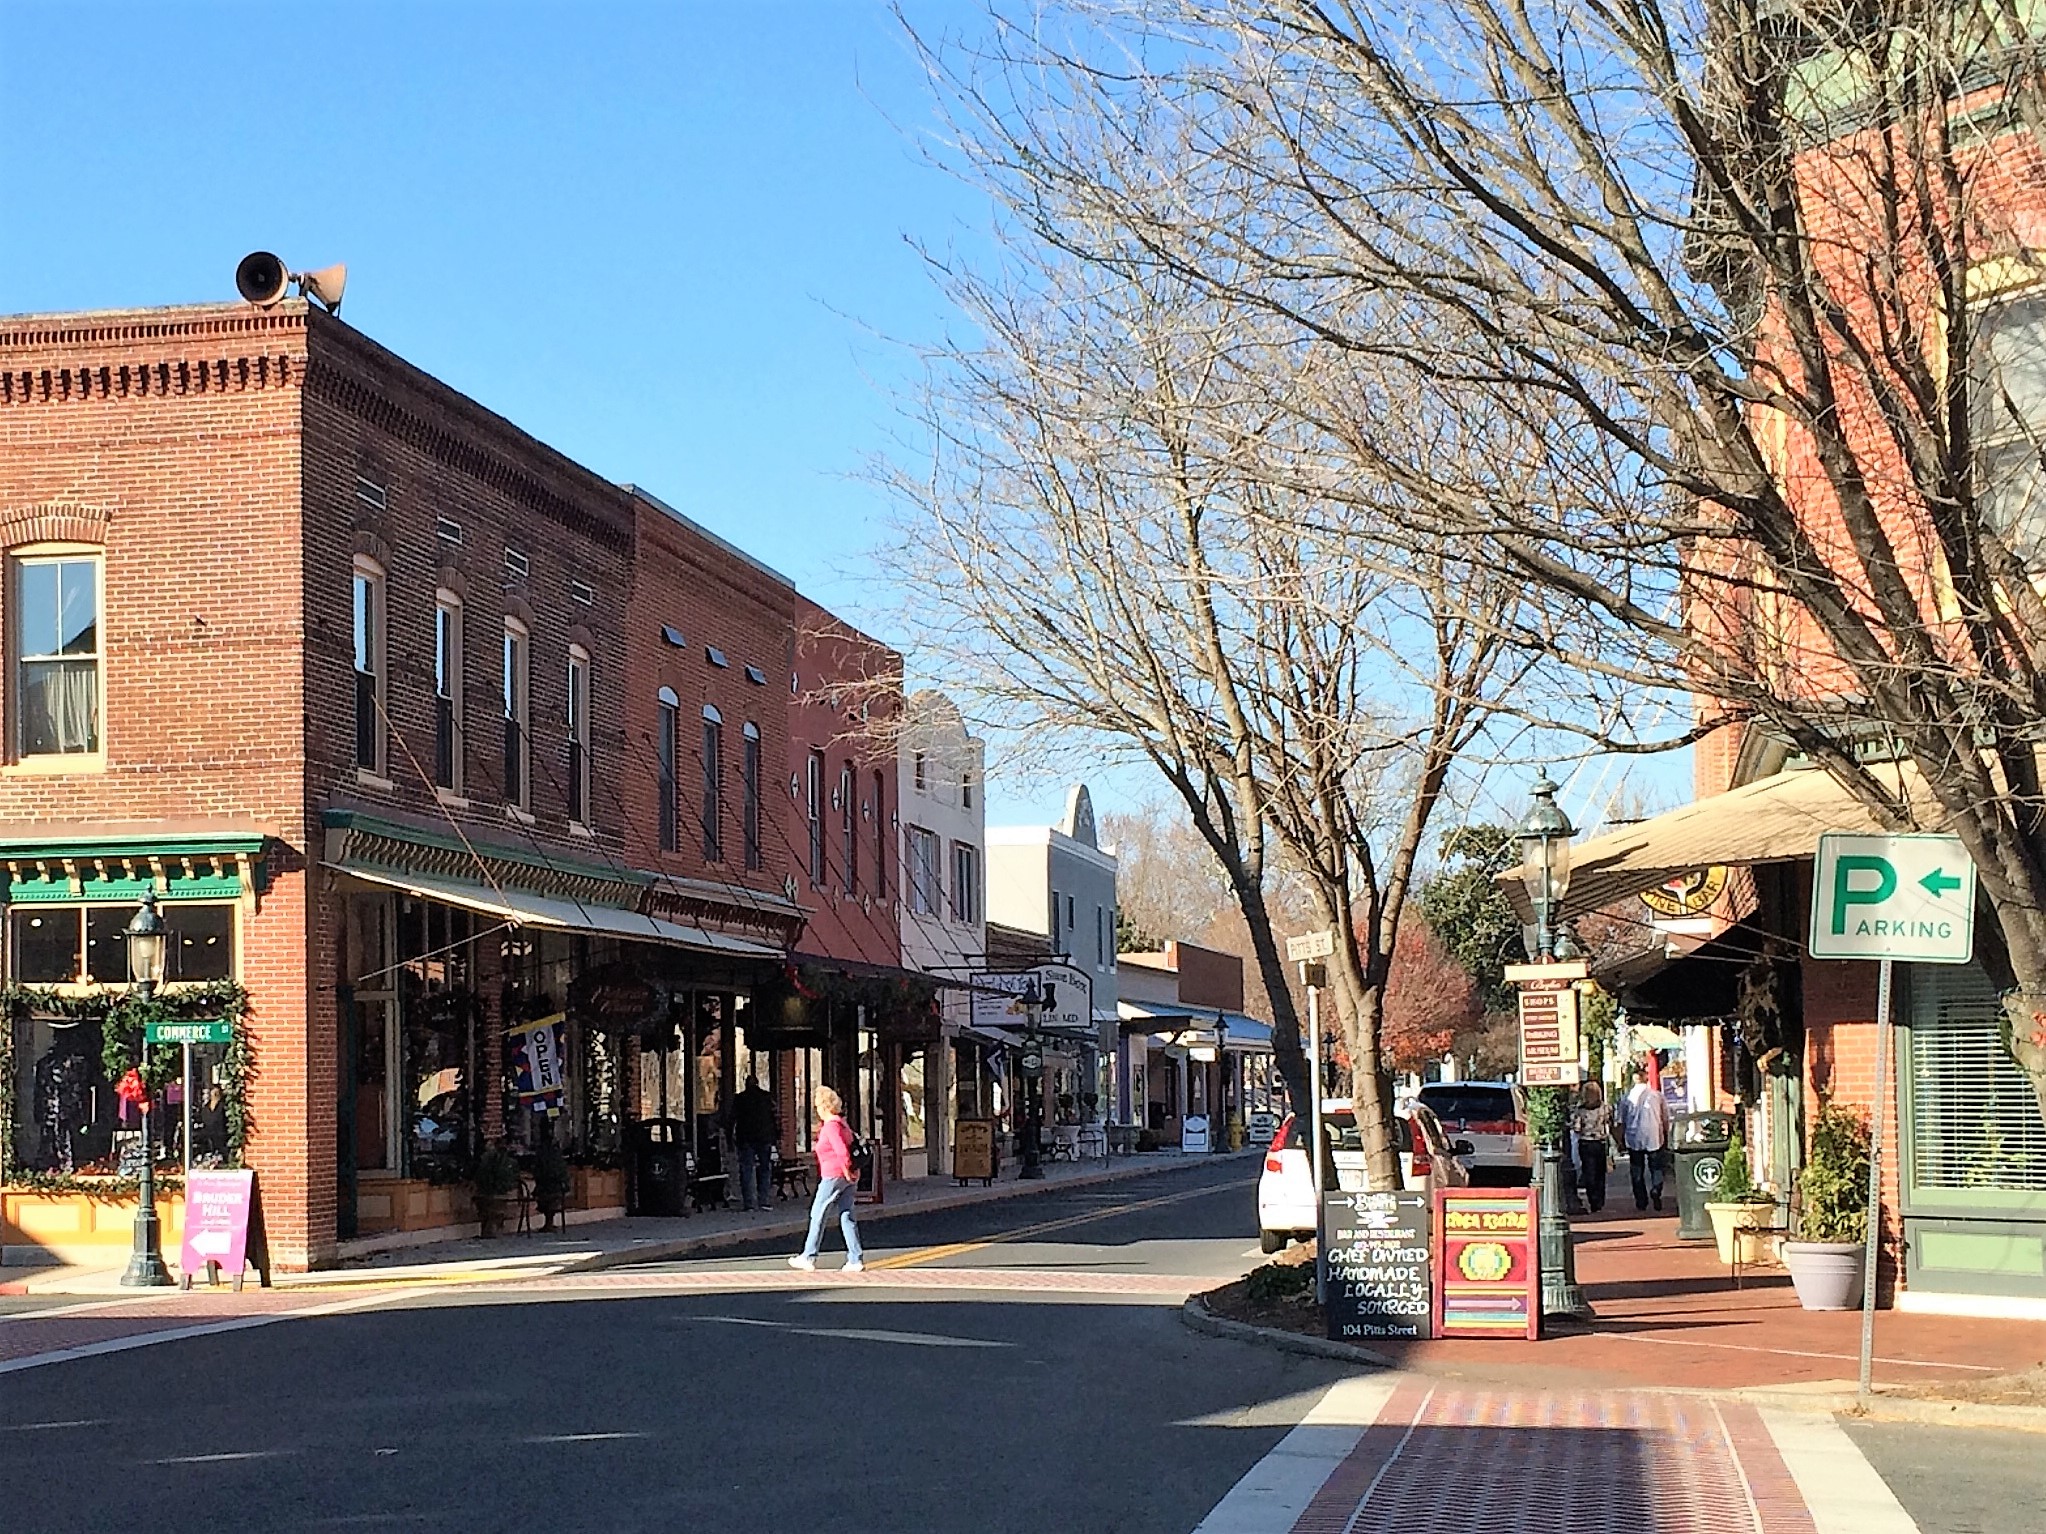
(578, 734)
(516, 692)
(813, 787)
(57, 655)
(369, 666)
(849, 828)
(965, 882)
(922, 874)
(966, 790)
(667, 747)
(447, 692)
(881, 839)
(749, 775)
(2010, 422)
(921, 773)
(713, 784)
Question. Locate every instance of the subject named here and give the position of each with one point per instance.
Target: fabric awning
(527, 910)
(1774, 820)
(1245, 1033)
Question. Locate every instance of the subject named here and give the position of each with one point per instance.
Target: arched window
(749, 780)
(667, 747)
(447, 691)
(713, 784)
(849, 827)
(369, 664)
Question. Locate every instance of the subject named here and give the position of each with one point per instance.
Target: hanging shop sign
(998, 999)
(1549, 1045)
(1379, 1267)
(1686, 895)
(1488, 1266)
(540, 1061)
(220, 1215)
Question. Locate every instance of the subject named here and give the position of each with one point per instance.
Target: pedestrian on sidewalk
(1647, 1133)
(837, 1183)
(756, 1128)
(1591, 1126)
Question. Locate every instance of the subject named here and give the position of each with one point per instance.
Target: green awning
(117, 869)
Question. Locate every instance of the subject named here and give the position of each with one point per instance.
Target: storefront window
(84, 944)
(913, 1100)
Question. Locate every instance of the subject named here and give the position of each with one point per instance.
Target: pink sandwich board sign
(220, 1213)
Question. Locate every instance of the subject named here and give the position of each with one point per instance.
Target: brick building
(457, 757)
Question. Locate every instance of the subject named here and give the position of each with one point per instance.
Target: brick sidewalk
(1668, 1315)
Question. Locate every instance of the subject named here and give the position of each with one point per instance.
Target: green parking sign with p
(1893, 897)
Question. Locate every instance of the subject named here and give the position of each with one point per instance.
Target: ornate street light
(146, 944)
(1544, 838)
(1036, 1002)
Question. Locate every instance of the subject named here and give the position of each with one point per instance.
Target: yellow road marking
(1044, 1227)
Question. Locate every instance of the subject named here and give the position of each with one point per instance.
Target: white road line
(1839, 1485)
(860, 1334)
(217, 1459)
(178, 1334)
(582, 1437)
(1276, 1490)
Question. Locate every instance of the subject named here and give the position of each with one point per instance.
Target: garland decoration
(121, 1016)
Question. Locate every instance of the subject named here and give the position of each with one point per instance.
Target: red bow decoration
(131, 1088)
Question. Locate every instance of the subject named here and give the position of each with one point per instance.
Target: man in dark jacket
(755, 1128)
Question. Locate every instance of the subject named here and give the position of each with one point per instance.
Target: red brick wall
(714, 598)
(847, 700)
(176, 431)
(1840, 1066)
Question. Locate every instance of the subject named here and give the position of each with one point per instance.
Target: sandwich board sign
(1893, 897)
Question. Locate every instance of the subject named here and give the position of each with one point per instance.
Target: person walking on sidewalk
(1591, 1126)
(837, 1183)
(755, 1127)
(1647, 1132)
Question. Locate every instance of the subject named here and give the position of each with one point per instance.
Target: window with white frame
(57, 681)
(667, 745)
(2010, 420)
(926, 879)
(713, 785)
(578, 734)
(369, 666)
(749, 813)
(447, 691)
(965, 882)
(881, 838)
(516, 693)
(849, 828)
(813, 793)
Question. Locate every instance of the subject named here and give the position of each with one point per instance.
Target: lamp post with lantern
(1036, 1002)
(1544, 838)
(146, 945)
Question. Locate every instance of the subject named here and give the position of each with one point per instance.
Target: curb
(1884, 1408)
(1195, 1314)
(962, 1198)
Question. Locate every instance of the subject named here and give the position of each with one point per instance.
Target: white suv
(1492, 1115)
(1285, 1189)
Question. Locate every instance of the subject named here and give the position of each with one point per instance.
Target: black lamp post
(145, 934)
(1034, 1003)
(1544, 838)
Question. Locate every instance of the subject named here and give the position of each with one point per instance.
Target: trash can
(1699, 1141)
(660, 1167)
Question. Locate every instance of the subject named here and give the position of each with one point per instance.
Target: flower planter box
(597, 1188)
(91, 1229)
(385, 1204)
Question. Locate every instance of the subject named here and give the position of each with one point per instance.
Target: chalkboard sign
(1378, 1267)
(128, 1147)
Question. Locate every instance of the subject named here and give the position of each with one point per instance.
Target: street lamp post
(146, 1268)
(1034, 1004)
(1544, 838)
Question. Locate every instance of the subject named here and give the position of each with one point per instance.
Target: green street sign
(1893, 897)
(211, 1030)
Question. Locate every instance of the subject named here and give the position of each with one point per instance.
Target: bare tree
(1167, 882)
(1739, 297)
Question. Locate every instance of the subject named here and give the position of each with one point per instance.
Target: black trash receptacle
(660, 1167)
(1699, 1141)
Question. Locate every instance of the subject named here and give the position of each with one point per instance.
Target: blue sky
(671, 240)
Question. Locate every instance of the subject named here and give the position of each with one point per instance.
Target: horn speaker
(261, 278)
(325, 285)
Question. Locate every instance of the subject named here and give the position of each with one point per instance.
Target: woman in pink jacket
(837, 1182)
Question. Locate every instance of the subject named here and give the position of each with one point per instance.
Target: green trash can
(1699, 1141)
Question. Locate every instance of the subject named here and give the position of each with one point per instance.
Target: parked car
(1285, 1189)
(1492, 1115)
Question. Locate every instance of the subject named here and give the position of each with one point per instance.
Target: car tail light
(1496, 1127)
(1284, 1134)
(1423, 1162)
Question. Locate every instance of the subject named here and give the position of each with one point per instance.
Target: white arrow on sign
(1893, 897)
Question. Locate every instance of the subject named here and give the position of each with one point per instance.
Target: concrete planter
(1728, 1218)
(1826, 1274)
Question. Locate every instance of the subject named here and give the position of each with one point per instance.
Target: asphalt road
(1022, 1369)
(633, 1407)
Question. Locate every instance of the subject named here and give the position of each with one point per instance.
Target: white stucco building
(944, 882)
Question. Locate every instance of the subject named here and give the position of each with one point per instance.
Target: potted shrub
(495, 1179)
(1827, 1258)
(552, 1179)
(1738, 1203)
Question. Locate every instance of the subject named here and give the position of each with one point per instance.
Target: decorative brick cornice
(53, 522)
(146, 379)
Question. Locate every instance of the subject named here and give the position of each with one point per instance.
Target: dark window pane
(664, 748)
(106, 942)
(45, 945)
(202, 942)
(1474, 1105)
(59, 707)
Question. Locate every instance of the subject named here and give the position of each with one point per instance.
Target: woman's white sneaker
(800, 1261)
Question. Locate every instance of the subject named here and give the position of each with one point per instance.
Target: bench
(792, 1177)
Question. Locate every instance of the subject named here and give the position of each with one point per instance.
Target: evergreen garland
(121, 1016)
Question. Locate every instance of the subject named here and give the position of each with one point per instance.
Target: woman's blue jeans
(834, 1193)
